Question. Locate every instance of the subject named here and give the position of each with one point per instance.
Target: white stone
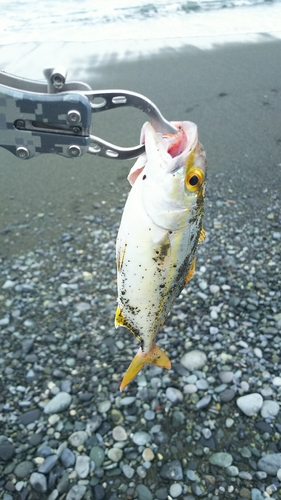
(115, 454)
(119, 433)
(277, 381)
(194, 360)
(250, 404)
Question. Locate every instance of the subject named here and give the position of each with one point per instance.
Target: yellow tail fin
(155, 357)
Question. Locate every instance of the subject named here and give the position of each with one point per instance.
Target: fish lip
(191, 132)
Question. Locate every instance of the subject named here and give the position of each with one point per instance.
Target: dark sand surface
(233, 93)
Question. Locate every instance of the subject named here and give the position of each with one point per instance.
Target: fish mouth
(180, 145)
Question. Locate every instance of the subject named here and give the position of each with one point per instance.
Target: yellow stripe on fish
(159, 233)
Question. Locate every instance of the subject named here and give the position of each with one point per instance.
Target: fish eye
(194, 179)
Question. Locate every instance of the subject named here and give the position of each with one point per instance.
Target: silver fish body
(158, 237)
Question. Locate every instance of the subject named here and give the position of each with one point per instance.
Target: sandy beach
(211, 426)
(232, 93)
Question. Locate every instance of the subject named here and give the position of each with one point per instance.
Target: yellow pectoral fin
(119, 318)
(191, 271)
(155, 357)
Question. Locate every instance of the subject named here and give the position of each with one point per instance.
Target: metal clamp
(56, 116)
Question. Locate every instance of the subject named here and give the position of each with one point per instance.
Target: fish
(160, 229)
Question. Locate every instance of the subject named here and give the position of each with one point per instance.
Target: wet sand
(233, 94)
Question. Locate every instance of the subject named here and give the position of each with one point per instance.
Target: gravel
(208, 428)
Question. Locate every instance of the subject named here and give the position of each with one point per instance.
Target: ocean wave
(50, 21)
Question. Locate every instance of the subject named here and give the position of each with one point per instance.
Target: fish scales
(158, 236)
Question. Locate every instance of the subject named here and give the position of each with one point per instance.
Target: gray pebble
(229, 422)
(262, 475)
(141, 470)
(141, 438)
(198, 490)
(77, 438)
(175, 490)
(203, 285)
(202, 384)
(227, 395)
(270, 463)
(82, 466)
(221, 459)
(127, 401)
(97, 455)
(161, 494)
(226, 376)
(206, 432)
(178, 418)
(128, 471)
(174, 395)
(48, 464)
(23, 469)
(5, 321)
(143, 492)
(190, 389)
(243, 474)
(94, 424)
(115, 454)
(266, 391)
(250, 404)
(202, 403)
(7, 450)
(44, 451)
(67, 458)
(82, 306)
(232, 471)
(192, 476)
(104, 406)
(59, 403)
(76, 492)
(276, 381)
(38, 482)
(172, 470)
(258, 352)
(54, 495)
(8, 284)
(66, 385)
(194, 360)
(269, 409)
(149, 415)
(256, 494)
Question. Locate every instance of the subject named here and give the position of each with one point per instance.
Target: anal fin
(202, 235)
(191, 271)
